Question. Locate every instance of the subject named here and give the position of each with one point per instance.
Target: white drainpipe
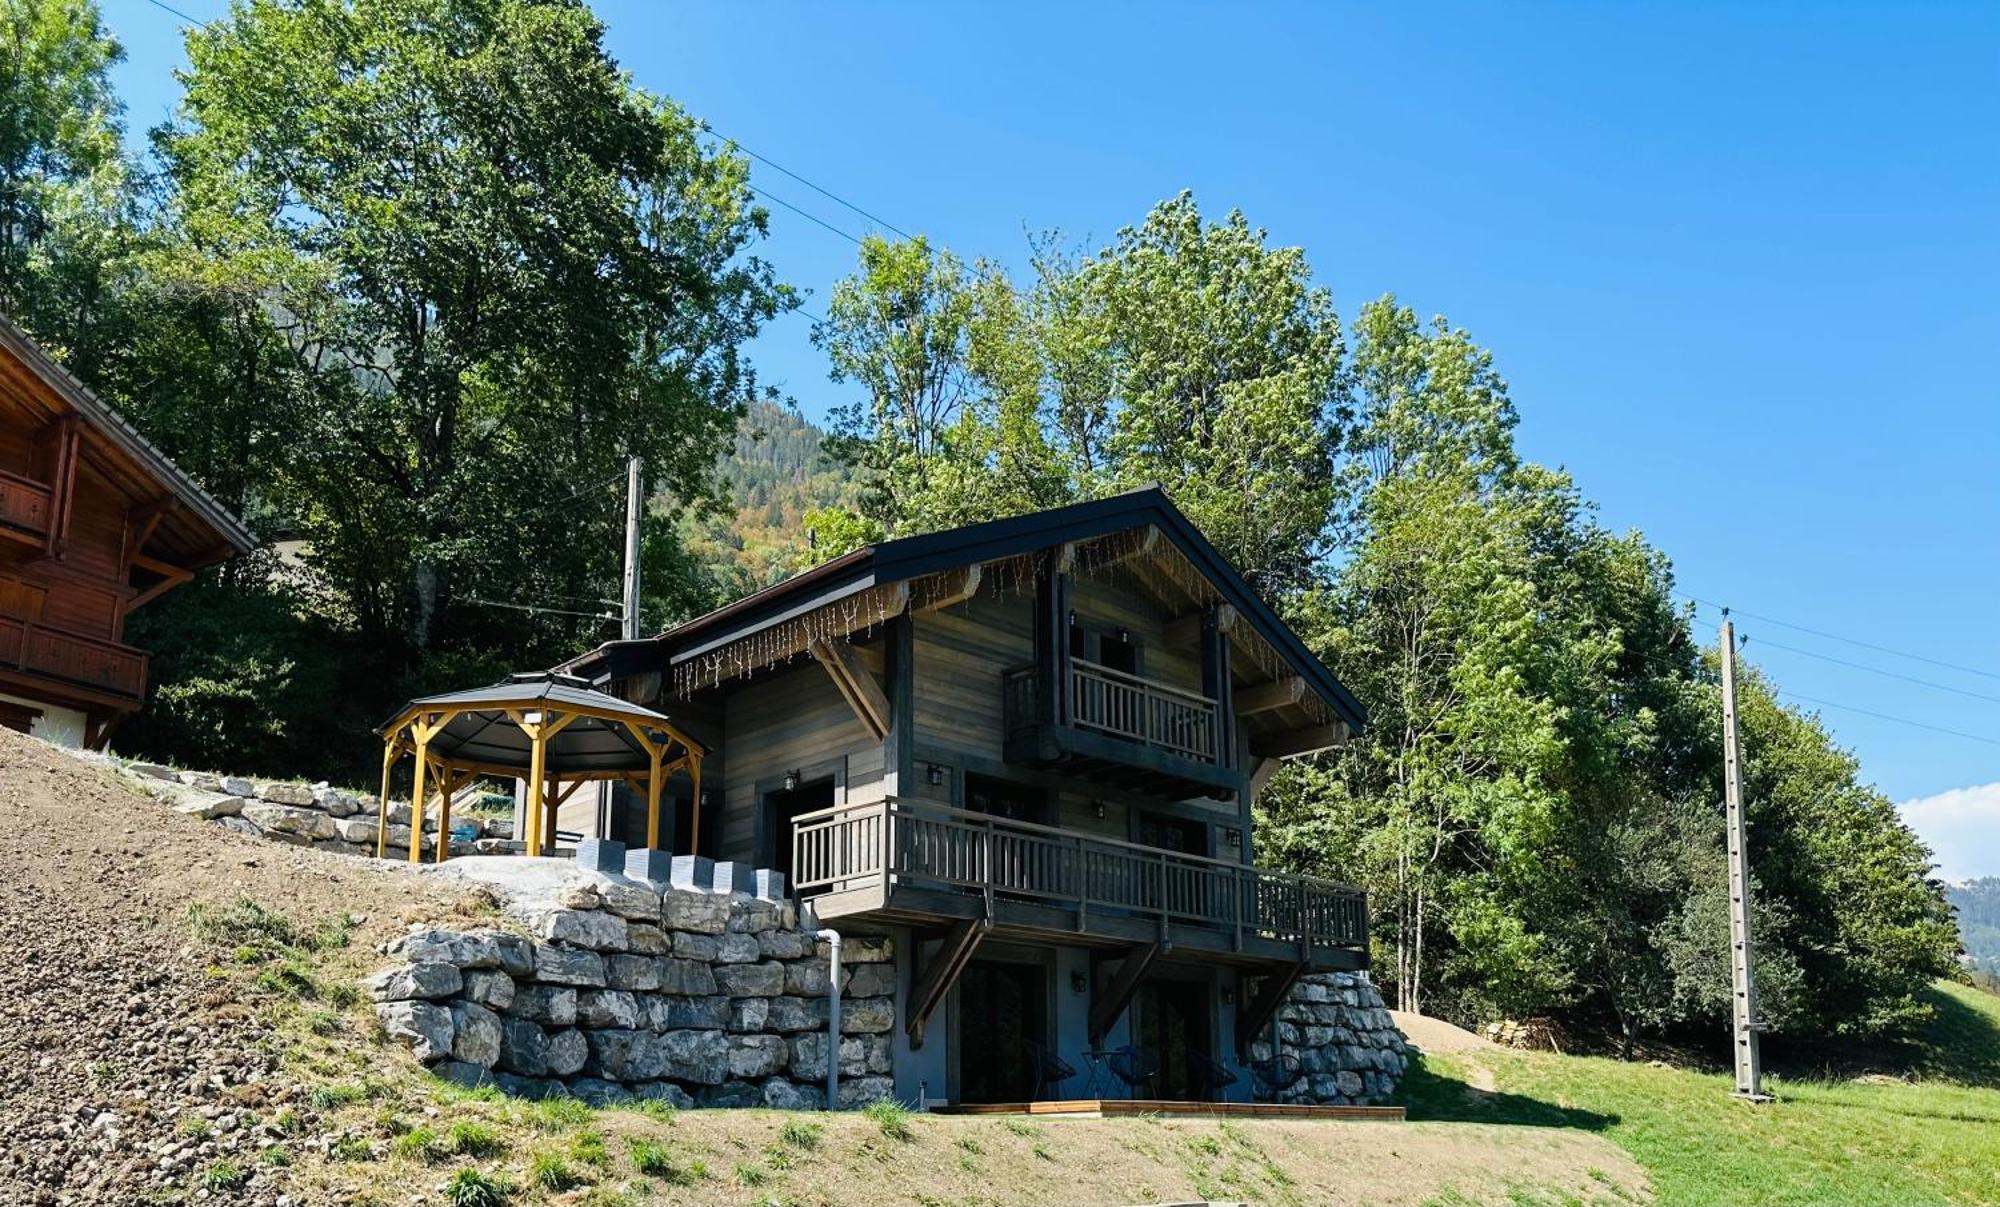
(832, 1020)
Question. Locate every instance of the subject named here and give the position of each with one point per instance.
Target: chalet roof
(99, 418)
(907, 558)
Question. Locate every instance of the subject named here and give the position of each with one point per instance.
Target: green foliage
(471, 1138)
(802, 1134)
(655, 1160)
(1976, 903)
(893, 1118)
(471, 1188)
(224, 1177)
(552, 1172)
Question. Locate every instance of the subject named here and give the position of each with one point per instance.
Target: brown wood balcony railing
(24, 503)
(897, 842)
(87, 661)
(1123, 706)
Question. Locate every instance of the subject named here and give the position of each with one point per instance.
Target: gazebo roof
(483, 727)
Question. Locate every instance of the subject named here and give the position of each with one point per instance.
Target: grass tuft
(471, 1188)
(224, 1177)
(802, 1134)
(892, 1117)
(552, 1173)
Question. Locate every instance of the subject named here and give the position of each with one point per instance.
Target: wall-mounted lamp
(1078, 982)
(1097, 807)
(791, 781)
(1228, 995)
(708, 798)
(936, 775)
(1233, 837)
(532, 717)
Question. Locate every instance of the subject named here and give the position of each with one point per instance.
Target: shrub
(470, 1188)
(892, 1117)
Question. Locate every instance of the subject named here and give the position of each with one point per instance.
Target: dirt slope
(145, 1067)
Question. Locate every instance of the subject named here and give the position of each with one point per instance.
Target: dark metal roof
(912, 557)
(485, 734)
(117, 429)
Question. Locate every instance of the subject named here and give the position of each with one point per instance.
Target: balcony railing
(904, 842)
(24, 503)
(104, 665)
(1123, 706)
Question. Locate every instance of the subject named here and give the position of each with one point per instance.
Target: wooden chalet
(94, 523)
(1029, 750)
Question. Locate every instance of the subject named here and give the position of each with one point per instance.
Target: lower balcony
(911, 862)
(109, 672)
(25, 506)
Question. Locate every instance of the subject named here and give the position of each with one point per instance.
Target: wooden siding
(790, 719)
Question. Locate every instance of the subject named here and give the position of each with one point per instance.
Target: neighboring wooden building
(1029, 750)
(94, 523)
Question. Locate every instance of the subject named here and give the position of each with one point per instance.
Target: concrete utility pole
(1749, 1069)
(635, 499)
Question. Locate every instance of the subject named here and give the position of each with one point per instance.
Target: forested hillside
(1978, 905)
(776, 473)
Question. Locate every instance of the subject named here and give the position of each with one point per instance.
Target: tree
(496, 269)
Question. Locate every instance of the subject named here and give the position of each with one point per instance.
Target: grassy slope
(1933, 1138)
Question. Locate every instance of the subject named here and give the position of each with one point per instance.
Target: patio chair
(1051, 1071)
(1208, 1078)
(1274, 1075)
(1135, 1067)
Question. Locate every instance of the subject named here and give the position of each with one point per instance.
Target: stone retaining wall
(314, 815)
(1348, 1048)
(695, 997)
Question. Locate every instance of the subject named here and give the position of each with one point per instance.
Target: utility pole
(1749, 1069)
(635, 499)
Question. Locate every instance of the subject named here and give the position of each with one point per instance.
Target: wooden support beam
(62, 502)
(171, 577)
(1261, 774)
(1281, 692)
(941, 974)
(140, 524)
(1297, 742)
(653, 777)
(1252, 1016)
(963, 587)
(1105, 1010)
(694, 773)
(389, 753)
(856, 685)
(1183, 631)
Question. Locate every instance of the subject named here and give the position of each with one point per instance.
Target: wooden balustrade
(104, 665)
(935, 846)
(1140, 710)
(24, 503)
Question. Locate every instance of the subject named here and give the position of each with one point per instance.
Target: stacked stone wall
(313, 815)
(1348, 1049)
(695, 997)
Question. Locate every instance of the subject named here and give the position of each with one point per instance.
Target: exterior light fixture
(1235, 837)
(791, 781)
(1228, 995)
(532, 717)
(936, 775)
(1078, 982)
(1097, 807)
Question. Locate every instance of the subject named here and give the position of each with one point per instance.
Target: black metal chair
(1050, 1069)
(1274, 1075)
(1134, 1066)
(1209, 1079)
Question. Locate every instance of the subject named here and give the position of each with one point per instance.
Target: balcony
(903, 861)
(1118, 729)
(102, 667)
(25, 505)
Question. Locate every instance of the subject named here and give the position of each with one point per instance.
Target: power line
(176, 12)
(824, 192)
(810, 217)
(1876, 670)
(498, 603)
(1883, 716)
(1866, 645)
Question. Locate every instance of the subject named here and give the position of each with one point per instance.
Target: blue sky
(1738, 263)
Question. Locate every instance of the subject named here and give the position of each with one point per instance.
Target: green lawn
(1932, 1137)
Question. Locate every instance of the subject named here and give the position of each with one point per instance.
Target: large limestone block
(688, 978)
(784, 944)
(751, 980)
(607, 1008)
(626, 1055)
(554, 1005)
(859, 949)
(696, 1057)
(285, 794)
(634, 972)
(859, 1091)
(475, 1034)
(634, 902)
(669, 1012)
(287, 819)
(870, 980)
(425, 1028)
(811, 978)
(784, 1094)
(592, 929)
(490, 988)
(647, 939)
(517, 955)
(867, 1015)
(697, 911)
(787, 1014)
(691, 946)
(568, 1052)
(357, 830)
(464, 949)
(566, 966)
(753, 1056)
(206, 806)
(754, 915)
(735, 948)
(748, 1014)
(524, 1048)
(425, 980)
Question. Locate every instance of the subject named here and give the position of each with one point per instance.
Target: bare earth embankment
(156, 1056)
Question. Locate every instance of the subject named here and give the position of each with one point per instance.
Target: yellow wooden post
(382, 810)
(417, 793)
(446, 787)
(538, 746)
(653, 786)
(694, 773)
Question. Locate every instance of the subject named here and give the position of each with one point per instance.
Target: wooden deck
(1113, 1108)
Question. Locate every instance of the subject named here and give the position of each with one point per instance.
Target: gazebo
(545, 728)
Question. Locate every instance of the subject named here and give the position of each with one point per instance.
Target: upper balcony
(913, 861)
(105, 668)
(25, 505)
(1118, 729)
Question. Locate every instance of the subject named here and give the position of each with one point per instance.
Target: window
(1003, 798)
